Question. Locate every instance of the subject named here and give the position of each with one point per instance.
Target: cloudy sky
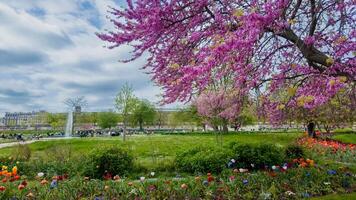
(49, 52)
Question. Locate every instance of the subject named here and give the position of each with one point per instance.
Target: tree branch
(297, 6)
(209, 11)
(313, 55)
(313, 17)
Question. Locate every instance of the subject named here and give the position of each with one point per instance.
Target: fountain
(69, 126)
(75, 106)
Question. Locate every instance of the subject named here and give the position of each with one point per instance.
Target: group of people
(16, 136)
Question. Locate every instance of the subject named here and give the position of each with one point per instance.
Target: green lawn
(348, 138)
(150, 150)
(351, 196)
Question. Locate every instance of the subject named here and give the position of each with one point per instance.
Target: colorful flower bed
(297, 179)
(331, 149)
(327, 143)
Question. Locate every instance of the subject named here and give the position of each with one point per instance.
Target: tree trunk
(327, 128)
(124, 130)
(141, 125)
(225, 128)
(159, 125)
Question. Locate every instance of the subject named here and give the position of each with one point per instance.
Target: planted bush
(294, 151)
(202, 159)
(249, 156)
(107, 162)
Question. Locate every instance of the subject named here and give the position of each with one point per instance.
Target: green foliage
(184, 116)
(125, 101)
(107, 120)
(111, 160)
(50, 167)
(89, 117)
(246, 117)
(28, 132)
(22, 152)
(56, 121)
(294, 151)
(143, 113)
(259, 155)
(202, 159)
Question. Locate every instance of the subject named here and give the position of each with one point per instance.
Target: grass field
(348, 138)
(153, 150)
(351, 196)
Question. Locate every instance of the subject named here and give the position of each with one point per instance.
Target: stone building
(24, 118)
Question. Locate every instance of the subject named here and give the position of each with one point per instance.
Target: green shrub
(202, 159)
(260, 156)
(112, 160)
(294, 151)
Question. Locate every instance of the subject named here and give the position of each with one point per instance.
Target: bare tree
(73, 103)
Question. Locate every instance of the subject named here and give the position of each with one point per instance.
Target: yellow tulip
(14, 170)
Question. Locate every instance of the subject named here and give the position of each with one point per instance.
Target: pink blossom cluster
(218, 106)
(272, 45)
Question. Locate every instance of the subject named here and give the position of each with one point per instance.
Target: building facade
(22, 119)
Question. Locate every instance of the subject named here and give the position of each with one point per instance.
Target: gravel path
(11, 144)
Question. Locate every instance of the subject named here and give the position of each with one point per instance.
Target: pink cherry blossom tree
(305, 47)
(219, 108)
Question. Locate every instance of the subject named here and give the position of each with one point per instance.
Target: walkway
(11, 144)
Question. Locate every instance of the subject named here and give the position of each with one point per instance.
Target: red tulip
(20, 187)
(24, 183)
(210, 179)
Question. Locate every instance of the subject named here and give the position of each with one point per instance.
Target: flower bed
(331, 149)
(327, 143)
(294, 180)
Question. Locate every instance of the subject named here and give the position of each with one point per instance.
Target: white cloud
(71, 60)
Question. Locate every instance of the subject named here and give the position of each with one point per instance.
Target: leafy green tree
(143, 113)
(246, 117)
(107, 119)
(125, 103)
(56, 121)
(86, 118)
(185, 116)
(161, 118)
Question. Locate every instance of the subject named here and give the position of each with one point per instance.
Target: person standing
(311, 129)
